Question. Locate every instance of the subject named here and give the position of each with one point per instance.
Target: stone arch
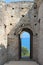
(14, 41)
(31, 42)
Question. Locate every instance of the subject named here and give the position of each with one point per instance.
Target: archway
(25, 45)
(28, 45)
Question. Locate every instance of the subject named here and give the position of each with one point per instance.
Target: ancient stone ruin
(15, 18)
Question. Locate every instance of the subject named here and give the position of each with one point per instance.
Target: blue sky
(25, 35)
(25, 40)
(15, 0)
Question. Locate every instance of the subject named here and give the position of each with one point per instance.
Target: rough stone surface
(3, 54)
(14, 17)
(21, 63)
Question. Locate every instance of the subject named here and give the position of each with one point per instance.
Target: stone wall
(27, 17)
(40, 16)
(3, 54)
(13, 51)
(13, 18)
(3, 36)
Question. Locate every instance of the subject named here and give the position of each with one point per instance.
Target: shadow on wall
(3, 54)
(18, 27)
(25, 19)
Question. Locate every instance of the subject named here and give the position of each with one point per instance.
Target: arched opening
(26, 44)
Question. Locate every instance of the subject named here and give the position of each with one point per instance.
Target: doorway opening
(26, 44)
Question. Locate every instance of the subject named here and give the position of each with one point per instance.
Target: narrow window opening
(39, 20)
(22, 8)
(35, 7)
(10, 23)
(13, 8)
(22, 15)
(11, 16)
(14, 33)
(36, 34)
(34, 15)
(8, 34)
(5, 25)
(35, 24)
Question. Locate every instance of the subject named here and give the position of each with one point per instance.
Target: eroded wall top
(13, 12)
